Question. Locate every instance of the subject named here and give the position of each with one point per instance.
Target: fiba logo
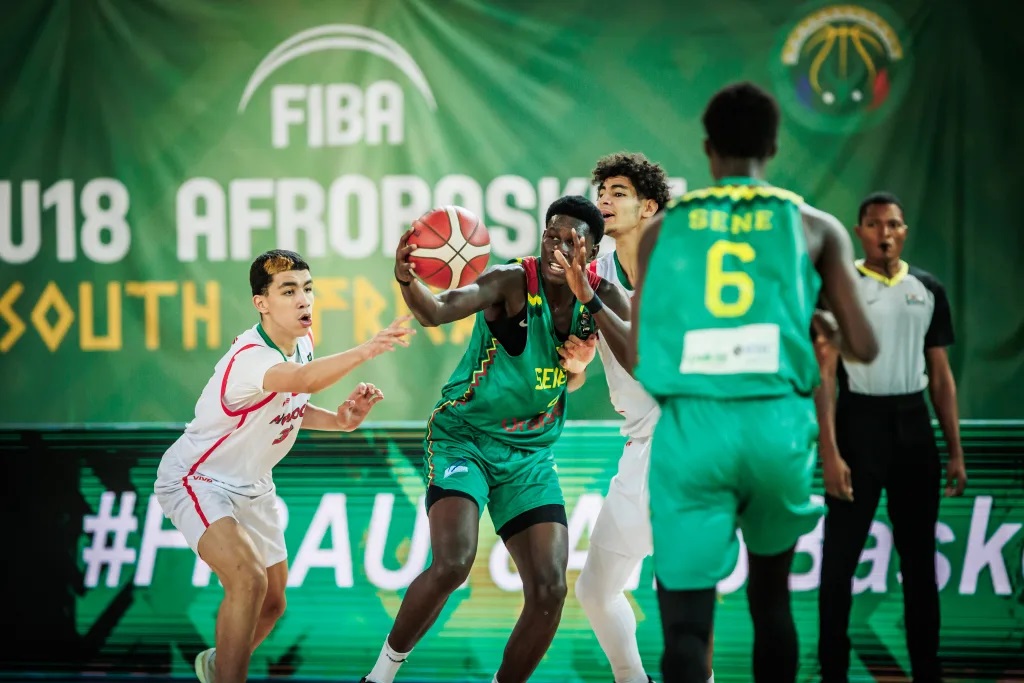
(337, 114)
(841, 68)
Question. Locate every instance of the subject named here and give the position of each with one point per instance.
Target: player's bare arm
(613, 321)
(835, 471)
(834, 261)
(643, 257)
(322, 373)
(349, 415)
(613, 317)
(495, 286)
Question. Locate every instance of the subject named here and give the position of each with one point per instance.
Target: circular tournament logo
(841, 68)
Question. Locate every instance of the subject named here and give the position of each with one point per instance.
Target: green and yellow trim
(901, 272)
(474, 380)
(430, 440)
(739, 193)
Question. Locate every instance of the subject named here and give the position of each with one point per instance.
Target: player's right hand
(386, 339)
(405, 271)
(575, 271)
(836, 473)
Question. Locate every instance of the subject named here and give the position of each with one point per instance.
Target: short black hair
(742, 121)
(270, 263)
(647, 177)
(578, 207)
(878, 198)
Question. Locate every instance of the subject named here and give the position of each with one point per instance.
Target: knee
(249, 580)
(588, 591)
(450, 572)
(547, 593)
(583, 590)
(273, 606)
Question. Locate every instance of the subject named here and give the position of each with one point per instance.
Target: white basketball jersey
(628, 397)
(240, 431)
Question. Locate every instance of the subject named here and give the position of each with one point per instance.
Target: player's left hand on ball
(576, 353)
(404, 270)
(353, 411)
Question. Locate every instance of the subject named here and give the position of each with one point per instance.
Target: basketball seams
(456, 267)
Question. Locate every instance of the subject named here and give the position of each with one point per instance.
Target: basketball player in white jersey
(215, 482)
(631, 190)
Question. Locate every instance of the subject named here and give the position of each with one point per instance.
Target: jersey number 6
(718, 279)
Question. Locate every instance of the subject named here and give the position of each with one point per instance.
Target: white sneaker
(204, 666)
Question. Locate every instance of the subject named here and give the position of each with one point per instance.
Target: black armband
(594, 305)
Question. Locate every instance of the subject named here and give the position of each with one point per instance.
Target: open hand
(575, 272)
(353, 411)
(386, 339)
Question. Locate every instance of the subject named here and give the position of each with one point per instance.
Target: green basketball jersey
(518, 400)
(728, 297)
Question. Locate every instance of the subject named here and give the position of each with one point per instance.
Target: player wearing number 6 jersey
(631, 190)
(728, 280)
(215, 481)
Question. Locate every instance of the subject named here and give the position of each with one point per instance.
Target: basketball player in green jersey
(728, 280)
(489, 438)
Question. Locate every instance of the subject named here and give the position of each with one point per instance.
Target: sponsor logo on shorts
(455, 468)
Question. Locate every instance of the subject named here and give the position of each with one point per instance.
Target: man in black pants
(880, 436)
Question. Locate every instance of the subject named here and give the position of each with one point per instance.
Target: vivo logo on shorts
(337, 114)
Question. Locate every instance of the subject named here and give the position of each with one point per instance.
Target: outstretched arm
(432, 309)
(349, 415)
(321, 373)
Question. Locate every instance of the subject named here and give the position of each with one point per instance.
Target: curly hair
(647, 177)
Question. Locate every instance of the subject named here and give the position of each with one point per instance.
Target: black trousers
(888, 443)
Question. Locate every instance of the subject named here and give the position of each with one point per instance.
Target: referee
(878, 435)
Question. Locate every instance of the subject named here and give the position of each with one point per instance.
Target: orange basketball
(452, 247)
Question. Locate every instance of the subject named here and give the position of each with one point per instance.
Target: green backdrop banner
(152, 148)
(112, 587)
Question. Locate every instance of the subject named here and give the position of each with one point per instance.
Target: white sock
(599, 589)
(387, 664)
(712, 679)
(495, 679)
